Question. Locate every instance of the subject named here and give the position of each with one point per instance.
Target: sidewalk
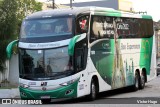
(9, 93)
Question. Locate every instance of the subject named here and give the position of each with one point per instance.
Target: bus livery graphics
(83, 51)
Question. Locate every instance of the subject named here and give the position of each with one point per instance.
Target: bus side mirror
(73, 41)
(10, 47)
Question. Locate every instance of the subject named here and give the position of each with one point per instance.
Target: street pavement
(152, 89)
(9, 93)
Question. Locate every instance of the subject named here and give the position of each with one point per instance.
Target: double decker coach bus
(69, 53)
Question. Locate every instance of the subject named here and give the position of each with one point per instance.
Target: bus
(76, 52)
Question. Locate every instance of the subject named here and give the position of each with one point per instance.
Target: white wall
(14, 70)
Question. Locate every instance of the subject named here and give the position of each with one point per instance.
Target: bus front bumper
(69, 91)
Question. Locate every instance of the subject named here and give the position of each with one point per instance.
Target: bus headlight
(24, 85)
(68, 82)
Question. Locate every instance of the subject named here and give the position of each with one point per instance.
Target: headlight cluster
(24, 85)
(68, 82)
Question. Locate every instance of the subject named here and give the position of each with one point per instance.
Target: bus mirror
(10, 47)
(73, 41)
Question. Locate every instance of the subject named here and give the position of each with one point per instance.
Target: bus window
(46, 27)
(82, 24)
(101, 27)
(79, 56)
(69, 24)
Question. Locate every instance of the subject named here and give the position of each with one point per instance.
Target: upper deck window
(46, 27)
(82, 24)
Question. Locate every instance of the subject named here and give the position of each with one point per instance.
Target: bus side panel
(116, 61)
(146, 52)
(108, 61)
(130, 52)
(102, 55)
(148, 57)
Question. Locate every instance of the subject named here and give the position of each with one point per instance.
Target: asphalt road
(151, 94)
(148, 97)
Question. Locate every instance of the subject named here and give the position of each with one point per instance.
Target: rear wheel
(137, 82)
(142, 81)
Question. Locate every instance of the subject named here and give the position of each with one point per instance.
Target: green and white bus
(70, 53)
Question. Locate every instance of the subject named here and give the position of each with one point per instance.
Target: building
(124, 5)
(157, 36)
(49, 5)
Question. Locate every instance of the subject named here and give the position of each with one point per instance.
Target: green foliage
(26, 7)
(8, 19)
(8, 27)
(12, 12)
(3, 54)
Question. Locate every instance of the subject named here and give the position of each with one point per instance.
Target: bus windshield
(41, 64)
(46, 27)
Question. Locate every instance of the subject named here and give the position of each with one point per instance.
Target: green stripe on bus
(114, 14)
(146, 17)
(110, 14)
(146, 53)
(72, 45)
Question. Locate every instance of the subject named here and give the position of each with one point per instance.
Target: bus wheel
(137, 82)
(93, 91)
(142, 80)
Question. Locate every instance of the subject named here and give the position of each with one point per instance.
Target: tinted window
(134, 28)
(82, 24)
(104, 27)
(101, 27)
(46, 27)
(50, 64)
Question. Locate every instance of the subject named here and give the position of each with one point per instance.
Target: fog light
(23, 94)
(68, 92)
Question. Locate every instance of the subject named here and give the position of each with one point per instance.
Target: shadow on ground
(101, 96)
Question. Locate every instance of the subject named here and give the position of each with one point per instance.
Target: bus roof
(77, 10)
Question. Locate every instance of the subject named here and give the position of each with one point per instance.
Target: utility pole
(71, 3)
(53, 4)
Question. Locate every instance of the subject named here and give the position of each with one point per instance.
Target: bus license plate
(45, 97)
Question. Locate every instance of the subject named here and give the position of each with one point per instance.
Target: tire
(142, 81)
(136, 85)
(93, 91)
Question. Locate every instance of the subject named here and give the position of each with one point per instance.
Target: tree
(8, 19)
(7, 27)
(26, 7)
(12, 12)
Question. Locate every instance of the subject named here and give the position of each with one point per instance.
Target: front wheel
(93, 91)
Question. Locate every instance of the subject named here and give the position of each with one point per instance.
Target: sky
(152, 7)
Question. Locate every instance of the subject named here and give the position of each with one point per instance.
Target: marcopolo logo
(105, 45)
(43, 83)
